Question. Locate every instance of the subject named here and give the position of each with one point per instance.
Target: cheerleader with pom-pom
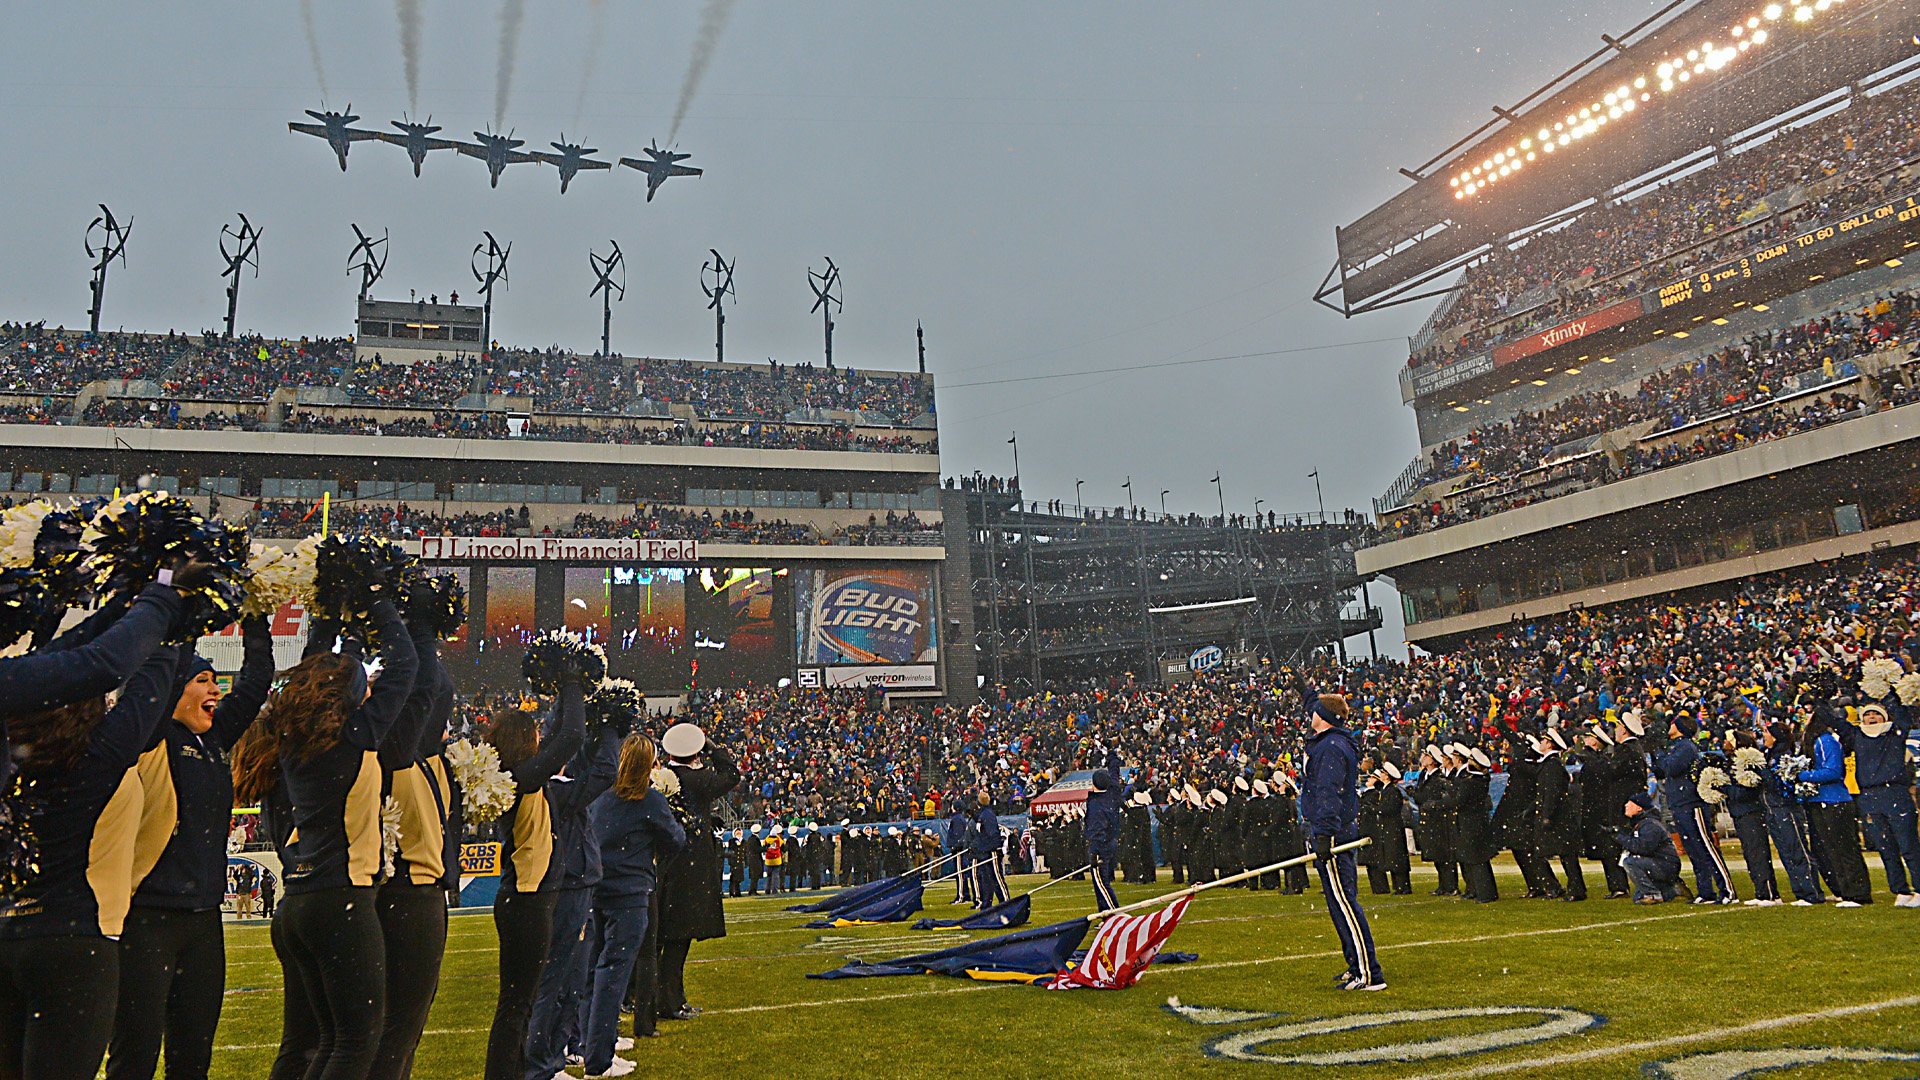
(320, 742)
(76, 795)
(563, 666)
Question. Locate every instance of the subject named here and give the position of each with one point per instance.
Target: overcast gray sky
(1051, 187)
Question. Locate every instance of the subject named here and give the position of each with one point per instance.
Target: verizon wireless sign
(555, 549)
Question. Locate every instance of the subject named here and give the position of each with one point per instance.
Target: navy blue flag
(897, 906)
(1014, 912)
(1022, 956)
(847, 898)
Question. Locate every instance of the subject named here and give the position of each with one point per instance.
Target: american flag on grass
(1122, 949)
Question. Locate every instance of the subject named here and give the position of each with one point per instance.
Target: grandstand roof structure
(1806, 62)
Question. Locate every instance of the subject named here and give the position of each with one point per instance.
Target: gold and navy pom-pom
(133, 537)
(19, 849)
(353, 573)
(440, 600)
(23, 601)
(617, 702)
(553, 654)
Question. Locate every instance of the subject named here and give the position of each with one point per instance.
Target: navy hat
(1102, 780)
(1687, 724)
(1642, 800)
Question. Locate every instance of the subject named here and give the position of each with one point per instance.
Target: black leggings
(1836, 840)
(524, 922)
(299, 1029)
(413, 921)
(672, 976)
(333, 939)
(173, 979)
(57, 996)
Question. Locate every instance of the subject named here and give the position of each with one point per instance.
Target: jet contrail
(511, 14)
(713, 22)
(594, 34)
(409, 12)
(313, 45)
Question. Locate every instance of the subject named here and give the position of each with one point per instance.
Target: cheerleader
(59, 947)
(413, 899)
(321, 739)
(173, 959)
(529, 873)
(632, 824)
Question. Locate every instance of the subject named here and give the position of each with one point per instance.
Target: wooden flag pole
(1298, 860)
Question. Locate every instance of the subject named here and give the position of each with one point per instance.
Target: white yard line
(1601, 1053)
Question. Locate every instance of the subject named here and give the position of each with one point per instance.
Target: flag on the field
(896, 906)
(847, 898)
(1014, 912)
(1025, 956)
(1122, 949)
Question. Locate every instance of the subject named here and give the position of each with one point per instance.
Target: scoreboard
(1812, 244)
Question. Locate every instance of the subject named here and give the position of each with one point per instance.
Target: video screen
(648, 641)
(865, 616)
(510, 623)
(737, 618)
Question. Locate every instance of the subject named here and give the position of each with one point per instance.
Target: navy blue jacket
(959, 832)
(1880, 764)
(986, 831)
(592, 772)
(1103, 812)
(1674, 766)
(1648, 839)
(192, 872)
(335, 816)
(66, 810)
(92, 659)
(628, 834)
(1329, 795)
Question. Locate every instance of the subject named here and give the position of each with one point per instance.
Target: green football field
(1520, 988)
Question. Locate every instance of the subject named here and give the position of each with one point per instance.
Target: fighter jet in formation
(416, 138)
(337, 129)
(570, 159)
(498, 151)
(660, 166)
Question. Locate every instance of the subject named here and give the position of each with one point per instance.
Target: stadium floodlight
(1614, 105)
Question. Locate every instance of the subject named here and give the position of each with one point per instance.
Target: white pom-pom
(1713, 785)
(486, 790)
(1877, 676)
(1908, 688)
(666, 781)
(390, 817)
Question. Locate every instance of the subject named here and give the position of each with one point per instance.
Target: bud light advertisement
(866, 616)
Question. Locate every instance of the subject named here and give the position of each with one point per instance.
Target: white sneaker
(1703, 900)
(1775, 902)
(1907, 900)
(1756, 902)
(623, 1043)
(620, 1067)
(1845, 903)
(1802, 903)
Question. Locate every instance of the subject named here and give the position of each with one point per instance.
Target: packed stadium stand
(1675, 337)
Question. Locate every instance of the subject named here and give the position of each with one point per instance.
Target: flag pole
(949, 877)
(1233, 879)
(931, 865)
(1064, 877)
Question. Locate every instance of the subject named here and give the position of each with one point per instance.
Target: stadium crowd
(287, 519)
(1620, 249)
(1737, 382)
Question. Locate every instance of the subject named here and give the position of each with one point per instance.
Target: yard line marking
(1204, 966)
(1600, 1053)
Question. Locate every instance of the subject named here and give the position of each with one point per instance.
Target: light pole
(1164, 492)
(1257, 504)
(1014, 442)
(1078, 506)
(1220, 490)
(1128, 488)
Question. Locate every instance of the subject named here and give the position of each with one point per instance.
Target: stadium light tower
(605, 269)
(489, 269)
(826, 297)
(111, 245)
(369, 257)
(240, 248)
(716, 280)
